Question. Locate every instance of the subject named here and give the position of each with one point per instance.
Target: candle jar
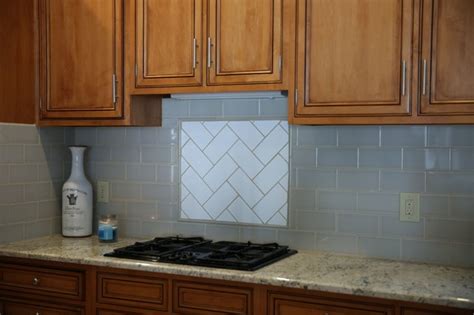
(108, 228)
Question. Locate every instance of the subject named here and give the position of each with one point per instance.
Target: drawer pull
(37, 313)
(36, 281)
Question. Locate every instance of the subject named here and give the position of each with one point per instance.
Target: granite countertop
(423, 283)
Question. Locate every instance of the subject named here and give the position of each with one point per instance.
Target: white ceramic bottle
(77, 198)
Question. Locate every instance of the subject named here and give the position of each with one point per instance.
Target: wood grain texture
(17, 61)
(350, 57)
(448, 49)
(246, 40)
(165, 36)
(81, 51)
(31, 309)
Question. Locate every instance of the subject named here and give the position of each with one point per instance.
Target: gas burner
(198, 251)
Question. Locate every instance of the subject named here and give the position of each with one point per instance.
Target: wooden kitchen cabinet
(354, 58)
(447, 58)
(26, 308)
(193, 46)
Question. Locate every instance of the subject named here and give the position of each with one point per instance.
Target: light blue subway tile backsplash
(343, 193)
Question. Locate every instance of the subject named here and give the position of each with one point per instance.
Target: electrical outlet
(103, 192)
(410, 207)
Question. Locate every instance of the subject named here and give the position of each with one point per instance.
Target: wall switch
(410, 207)
(102, 191)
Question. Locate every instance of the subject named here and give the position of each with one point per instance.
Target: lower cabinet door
(19, 308)
(104, 311)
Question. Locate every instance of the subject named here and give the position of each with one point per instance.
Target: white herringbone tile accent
(234, 171)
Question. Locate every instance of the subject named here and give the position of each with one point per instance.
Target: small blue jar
(108, 228)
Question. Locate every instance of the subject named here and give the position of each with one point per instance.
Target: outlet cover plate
(410, 207)
(103, 191)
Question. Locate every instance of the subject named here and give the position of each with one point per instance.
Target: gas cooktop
(197, 251)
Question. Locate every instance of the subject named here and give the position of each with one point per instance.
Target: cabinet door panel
(246, 39)
(354, 57)
(169, 36)
(447, 83)
(28, 309)
(81, 52)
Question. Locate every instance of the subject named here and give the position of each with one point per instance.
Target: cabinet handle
(37, 313)
(404, 77)
(35, 281)
(114, 88)
(425, 72)
(194, 53)
(209, 46)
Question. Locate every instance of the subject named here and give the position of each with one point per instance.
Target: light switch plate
(103, 191)
(410, 207)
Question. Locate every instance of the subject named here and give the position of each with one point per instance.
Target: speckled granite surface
(432, 284)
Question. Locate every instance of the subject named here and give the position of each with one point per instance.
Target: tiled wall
(31, 174)
(344, 183)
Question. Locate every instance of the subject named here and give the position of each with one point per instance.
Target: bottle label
(76, 211)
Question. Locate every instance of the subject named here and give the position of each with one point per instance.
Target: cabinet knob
(35, 281)
(38, 313)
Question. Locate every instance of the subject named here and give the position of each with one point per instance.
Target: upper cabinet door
(81, 59)
(244, 43)
(447, 65)
(354, 58)
(169, 43)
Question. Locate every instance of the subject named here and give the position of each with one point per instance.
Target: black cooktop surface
(198, 251)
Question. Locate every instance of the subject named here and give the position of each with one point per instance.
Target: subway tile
(337, 157)
(426, 159)
(380, 158)
(222, 232)
(303, 199)
(14, 153)
(189, 229)
(160, 192)
(11, 233)
(240, 107)
(358, 180)
(4, 174)
(450, 183)
(357, 224)
(38, 191)
(156, 228)
(167, 212)
(86, 136)
(450, 230)
(303, 157)
(11, 194)
(462, 159)
(26, 134)
(38, 229)
(358, 136)
(51, 171)
(402, 181)
(132, 136)
(49, 209)
(336, 243)
(313, 136)
(149, 135)
(378, 202)
(392, 226)
(403, 136)
(310, 178)
(167, 136)
(109, 171)
(111, 136)
(379, 247)
(167, 174)
(141, 210)
(23, 173)
(121, 191)
(141, 173)
(316, 221)
(434, 206)
(98, 154)
(462, 208)
(24, 212)
(297, 239)
(125, 154)
(175, 108)
(130, 228)
(274, 108)
(437, 252)
(446, 136)
(206, 108)
(257, 235)
(337, 200)
(162, 155)
(52, 135)
(118, 208)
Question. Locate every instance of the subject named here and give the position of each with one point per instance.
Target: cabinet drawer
(281, 304)
(195, 298)
(31, 309)
(123, 311)
(134, 291)
(66, 284)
